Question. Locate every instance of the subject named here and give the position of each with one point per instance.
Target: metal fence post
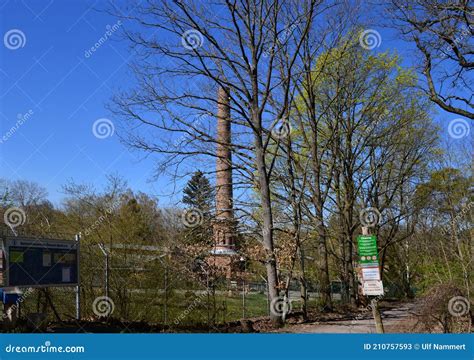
(78, 287)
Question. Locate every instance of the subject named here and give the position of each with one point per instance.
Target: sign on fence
(31, 262)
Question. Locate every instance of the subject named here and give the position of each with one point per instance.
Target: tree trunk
(267, 228)
(324, 269)
(303, 286)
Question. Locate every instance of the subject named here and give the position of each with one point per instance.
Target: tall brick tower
(224, 254)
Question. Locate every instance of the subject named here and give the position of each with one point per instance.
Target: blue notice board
(40, 262)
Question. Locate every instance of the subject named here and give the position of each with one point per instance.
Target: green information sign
(367, 247)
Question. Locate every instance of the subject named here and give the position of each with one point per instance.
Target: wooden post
(374, 303)
(377, 317)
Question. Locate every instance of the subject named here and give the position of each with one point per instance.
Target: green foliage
(198, 193)
(446, 190)
(199, 197)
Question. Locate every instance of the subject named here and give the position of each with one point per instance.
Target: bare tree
(443, 33)
(32, 198)
(191, 50)
(26, 193)
(317, 139)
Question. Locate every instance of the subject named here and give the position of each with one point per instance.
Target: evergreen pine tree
(198, 193)
(199, 198)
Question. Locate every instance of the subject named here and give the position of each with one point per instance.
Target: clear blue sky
(66, 93)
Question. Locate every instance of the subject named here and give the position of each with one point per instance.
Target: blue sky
(65, 92)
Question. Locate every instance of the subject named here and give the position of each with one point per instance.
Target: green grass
(191, 308)
(183, 307)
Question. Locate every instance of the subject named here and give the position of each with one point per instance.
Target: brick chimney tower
(224, 225)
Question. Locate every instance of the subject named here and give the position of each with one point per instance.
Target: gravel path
(394, 320)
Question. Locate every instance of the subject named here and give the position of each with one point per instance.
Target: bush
(445, 308)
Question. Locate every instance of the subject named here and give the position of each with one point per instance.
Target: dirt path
(398, 319)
